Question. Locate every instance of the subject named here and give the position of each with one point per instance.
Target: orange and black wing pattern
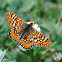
(14, 20)
(15, 33)
(17, 23)
(12, 35)
(27, 41)
(39, 39)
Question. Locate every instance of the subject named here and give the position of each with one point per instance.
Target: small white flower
(57, 56)
(35, 26)
(21, 48)
(2, 54)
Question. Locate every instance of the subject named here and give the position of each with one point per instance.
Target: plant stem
(32, 57)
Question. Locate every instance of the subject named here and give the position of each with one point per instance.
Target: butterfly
(25, 33)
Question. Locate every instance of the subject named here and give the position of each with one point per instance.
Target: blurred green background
(47, 11)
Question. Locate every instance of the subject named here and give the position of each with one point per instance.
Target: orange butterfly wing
(39, 39)
(14, 20)
(17, 23)
(27, 41)
(12, 35)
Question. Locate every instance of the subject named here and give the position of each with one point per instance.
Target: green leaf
(28, 5)
(7, 60)
(48, 60)
(58, 47)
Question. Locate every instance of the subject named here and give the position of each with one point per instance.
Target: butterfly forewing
(39, 39)
(14, 20)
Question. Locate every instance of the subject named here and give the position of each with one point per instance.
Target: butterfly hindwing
(15, 33)
(27, 41)
(12, 35)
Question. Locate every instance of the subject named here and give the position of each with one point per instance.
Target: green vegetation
(47, 11)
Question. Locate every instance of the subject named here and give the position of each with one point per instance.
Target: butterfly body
(25, 33)
(28, 27)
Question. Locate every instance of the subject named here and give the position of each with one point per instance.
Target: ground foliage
(47, 11)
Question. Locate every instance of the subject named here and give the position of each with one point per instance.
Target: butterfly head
(30, 24)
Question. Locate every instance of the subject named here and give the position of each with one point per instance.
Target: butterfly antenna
(30, 15)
